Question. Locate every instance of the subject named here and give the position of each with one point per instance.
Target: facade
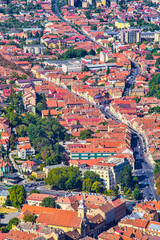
(28, 166)
(91, 153)
(34, 49)
(48, 168)
(75, 66)
(39, 175)
(121, 24)
(131, 35)
(35, 199)
(109, 171)
(156, 36)
(25, 151)
(3, 196)
(5, 167)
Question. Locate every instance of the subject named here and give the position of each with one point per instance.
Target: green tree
(137, 99)
(94, 177)
(84, 134)
(88, 14)
(93, 27)
(136, 193)
(98, 50)
(149, 56)
(17, 195)
(92, 52)
(97, 187)
(125, 177)
(157, 63)
(85, 69)
(29, 218)
(14, 221)
(64, 178)
(48, 202)
(34, 191)
(87, 185)
(108, 70)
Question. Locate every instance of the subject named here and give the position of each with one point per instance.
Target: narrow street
(142, 161)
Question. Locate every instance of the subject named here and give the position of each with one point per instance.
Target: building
(67, 220)
(91, 153)
(5, 167)
(39, 175)
(119, 23)
(34, 49)
(3, 196)
(36, 199)
(75, 66)
(28, 166)
(131, 35)
(71, 3)
(156, 36)
(48, 168)
(108, 170)
(25, 151)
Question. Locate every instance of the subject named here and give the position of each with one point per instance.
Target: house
(25, 151)
(28, 166)
(34, 49)
(3, 196)
(48, 168)
(36, 199)
(119, 23)
(39, 175)
(5, 167)
(23, 140)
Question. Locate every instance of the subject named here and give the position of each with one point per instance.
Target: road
(141, 160)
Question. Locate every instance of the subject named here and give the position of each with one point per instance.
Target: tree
(137, 99)
(108, 70)
(136, 193)
(34, 191)
(98, 50)
(97, 187)
(93, 27)
(29, 218)
(48, 202)
(14, 221)
(92, 52)
(88, 14)
(85, 69)
(64, 178)
(149, 56)
(87, 185)
(157, 63)
(17, 195)
(84, 134)
(94, 177)
(125, 177)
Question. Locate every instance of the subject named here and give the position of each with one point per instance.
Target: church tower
(82, 209)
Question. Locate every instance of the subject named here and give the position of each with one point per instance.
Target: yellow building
(84, 4)
(121, 24)
(3, 196)
(39, 175)
(56, 44)
(156, 36)
(100, 3)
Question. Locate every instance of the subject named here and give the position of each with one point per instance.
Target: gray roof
(154, 226)
(55, 166)
(4, 193)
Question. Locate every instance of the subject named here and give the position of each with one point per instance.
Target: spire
(81, 203)
(82, 209)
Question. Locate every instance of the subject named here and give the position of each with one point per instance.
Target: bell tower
(82, 209)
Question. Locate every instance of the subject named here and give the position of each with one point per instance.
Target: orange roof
(60, 217)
